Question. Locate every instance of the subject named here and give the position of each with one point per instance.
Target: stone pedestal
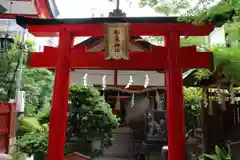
(165, 152)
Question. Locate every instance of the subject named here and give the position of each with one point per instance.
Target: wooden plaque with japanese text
(116, 39)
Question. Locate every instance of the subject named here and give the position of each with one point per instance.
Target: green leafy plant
(37, 83)
(9, 63)
(30, 124)
(229, 59)
(220, 154)
(201, 74)
(166, 7)
(90, 117)
(33, 136)
(192, 98)
(226, 60)
(33, 143)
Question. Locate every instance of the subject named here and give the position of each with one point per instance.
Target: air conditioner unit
(20, 105)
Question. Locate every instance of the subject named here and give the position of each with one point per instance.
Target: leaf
(29, 124)
(219, 153)
(211, 156)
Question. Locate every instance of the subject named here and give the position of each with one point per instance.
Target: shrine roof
(24, 21)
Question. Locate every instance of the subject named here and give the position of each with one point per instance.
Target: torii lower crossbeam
(154, 60)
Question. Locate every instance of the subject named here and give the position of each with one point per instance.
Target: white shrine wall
(95, 77)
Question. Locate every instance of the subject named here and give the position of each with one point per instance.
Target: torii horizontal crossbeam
(135, 29)
(138, 26)
(155, 60)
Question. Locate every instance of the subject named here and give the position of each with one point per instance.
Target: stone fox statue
(156, 128)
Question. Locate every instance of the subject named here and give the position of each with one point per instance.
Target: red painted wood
(82, 59)
(171, 58)
(12, 114)
(135, 29)
(58, 116)
(42, 9)
(7, 124)
(175, 106)
(191, 58)
(154, 60)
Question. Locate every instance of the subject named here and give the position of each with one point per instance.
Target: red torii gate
(170, 58)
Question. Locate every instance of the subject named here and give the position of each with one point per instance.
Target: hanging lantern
(5, 42)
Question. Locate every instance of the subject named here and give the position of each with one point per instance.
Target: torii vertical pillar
(58, 115)
(175, 104)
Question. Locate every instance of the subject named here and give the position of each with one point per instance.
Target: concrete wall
(13, 29)
(19, 7)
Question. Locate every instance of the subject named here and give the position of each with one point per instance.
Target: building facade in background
(9, 9)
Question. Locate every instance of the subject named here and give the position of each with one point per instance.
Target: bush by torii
(90, 118)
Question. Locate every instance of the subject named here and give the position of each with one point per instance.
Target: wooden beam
(43, 9)
(155, 60)
(190, 57)
(58, 114)
(95, 60)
